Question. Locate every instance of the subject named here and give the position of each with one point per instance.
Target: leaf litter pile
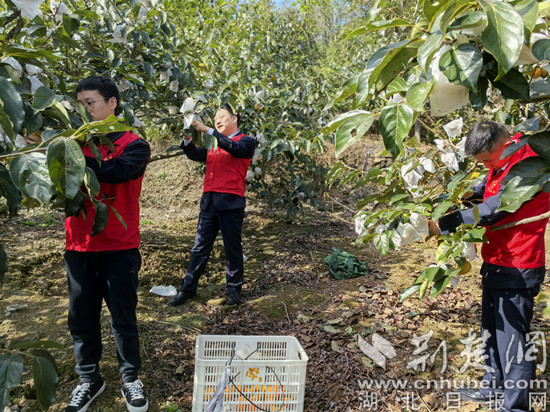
(288, 291)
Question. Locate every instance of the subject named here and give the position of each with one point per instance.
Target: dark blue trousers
(94, 277)
(506, 315)
(214, 217)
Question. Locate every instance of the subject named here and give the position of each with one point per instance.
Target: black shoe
(84, 394)
(233, 298)
(134, 394)
(181, 298)
(476, 396)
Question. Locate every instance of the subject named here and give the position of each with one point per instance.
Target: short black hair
(228, 107)
(104, 85)
(484, 136)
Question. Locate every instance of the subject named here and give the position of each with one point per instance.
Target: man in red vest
(512, 271)
(105, 266)
(222, 203)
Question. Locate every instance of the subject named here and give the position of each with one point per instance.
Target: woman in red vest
(512, 271)
(222, 203)
(105, 266)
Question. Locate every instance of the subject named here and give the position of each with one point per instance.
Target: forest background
(359, 109)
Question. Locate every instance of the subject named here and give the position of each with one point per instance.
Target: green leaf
(448, 12)
(428, 274)
(351, 130)
(431, 7)
(67, 165)
(475, 212)
(9, 190)
(338, 120)
(423, 289)
(357, 32)
(540, 143)
(513, 85)
(395, 123)
(428, 49)
(411, 290)
(6, 123)
(3, 263)
(349, 87)
(469, 21)
(479, 99)
(62, 113)
(541, 49)
(74, 206)
(19, 51)
(382, 57)
(11, 370)
(462, 65)
(382, 242)
(528, 10)
(363, 89)
(30, 174)
(119, 217)
(45, 378)
(441, 209)
(418, 94)
(503, 37)
(34, 120)
(392, 68)
(439, 286)
(148, 67)
(520, 190)
(476, 234)
(398, 85)
(375, 8)
(12, 104)
(523, 181)
(91, 182)
(386, 24)
(43, 98)
(101, 217)
(529, 125)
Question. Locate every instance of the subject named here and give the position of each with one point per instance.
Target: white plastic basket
(268, 370)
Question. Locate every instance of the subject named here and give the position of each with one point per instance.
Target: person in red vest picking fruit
(512, 271)
(105, 266)
(222, 203)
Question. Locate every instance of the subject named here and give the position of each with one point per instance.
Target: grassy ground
(288, 291)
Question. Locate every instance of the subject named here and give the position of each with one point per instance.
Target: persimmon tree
(481, 58)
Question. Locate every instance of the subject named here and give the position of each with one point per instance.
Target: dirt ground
(288, 291)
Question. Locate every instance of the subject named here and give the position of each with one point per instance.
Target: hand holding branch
(199, 126)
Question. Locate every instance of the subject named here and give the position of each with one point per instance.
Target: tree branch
(532, 219)
(38, 149)
(166, 156)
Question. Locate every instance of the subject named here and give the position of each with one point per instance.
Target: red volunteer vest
(521, 246)
(123, 197)
(225, 173)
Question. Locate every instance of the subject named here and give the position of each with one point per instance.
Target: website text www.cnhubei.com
(445, 384)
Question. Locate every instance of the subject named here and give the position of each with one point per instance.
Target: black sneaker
(181, 298)
(134, 394)
(233, 298)
(84, 394)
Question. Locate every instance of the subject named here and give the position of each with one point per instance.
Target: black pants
(94, 277)
(506, 316)
(211, 221)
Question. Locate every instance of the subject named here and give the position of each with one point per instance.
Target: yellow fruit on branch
(466, 267)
